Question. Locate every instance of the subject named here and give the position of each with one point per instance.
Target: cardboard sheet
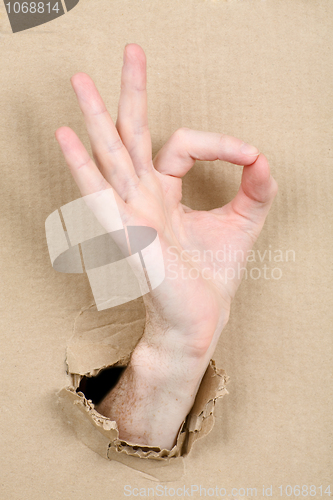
(260, 70)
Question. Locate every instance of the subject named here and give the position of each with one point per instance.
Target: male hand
(187, 312)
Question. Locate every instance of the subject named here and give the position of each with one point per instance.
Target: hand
(187, 312)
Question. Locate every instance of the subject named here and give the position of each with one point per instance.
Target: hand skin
(185, 317)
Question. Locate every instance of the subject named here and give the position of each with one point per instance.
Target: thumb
(256, 193)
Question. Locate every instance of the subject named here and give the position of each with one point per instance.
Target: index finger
(185, 146)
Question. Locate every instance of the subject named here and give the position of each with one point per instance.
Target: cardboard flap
(104, 338)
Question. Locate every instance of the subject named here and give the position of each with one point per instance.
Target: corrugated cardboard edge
(101, 435)
(104, 333)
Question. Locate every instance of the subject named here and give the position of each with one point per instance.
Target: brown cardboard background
(259, 70)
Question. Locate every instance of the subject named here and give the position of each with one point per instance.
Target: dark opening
(96, 388)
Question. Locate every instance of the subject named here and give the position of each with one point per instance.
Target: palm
(203, 254)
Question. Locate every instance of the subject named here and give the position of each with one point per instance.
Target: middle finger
(132, 122)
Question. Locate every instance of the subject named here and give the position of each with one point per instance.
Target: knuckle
(113, 147)
(97, 186)
(102, 185)
(83, 164)
(180, 134)
(222, 139)
(140, 128)
(130, 184)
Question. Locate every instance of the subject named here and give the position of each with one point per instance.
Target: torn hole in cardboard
(105, 339)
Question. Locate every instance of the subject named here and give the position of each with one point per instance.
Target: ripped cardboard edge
(105, 339)
(101, 435)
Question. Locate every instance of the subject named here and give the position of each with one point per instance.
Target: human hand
(187, 312)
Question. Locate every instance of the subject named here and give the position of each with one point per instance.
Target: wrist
(167, 370)
(152, 399)
(157, 390)
(174, 359)
(193, 343)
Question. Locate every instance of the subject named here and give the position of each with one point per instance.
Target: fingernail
(247, 149)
